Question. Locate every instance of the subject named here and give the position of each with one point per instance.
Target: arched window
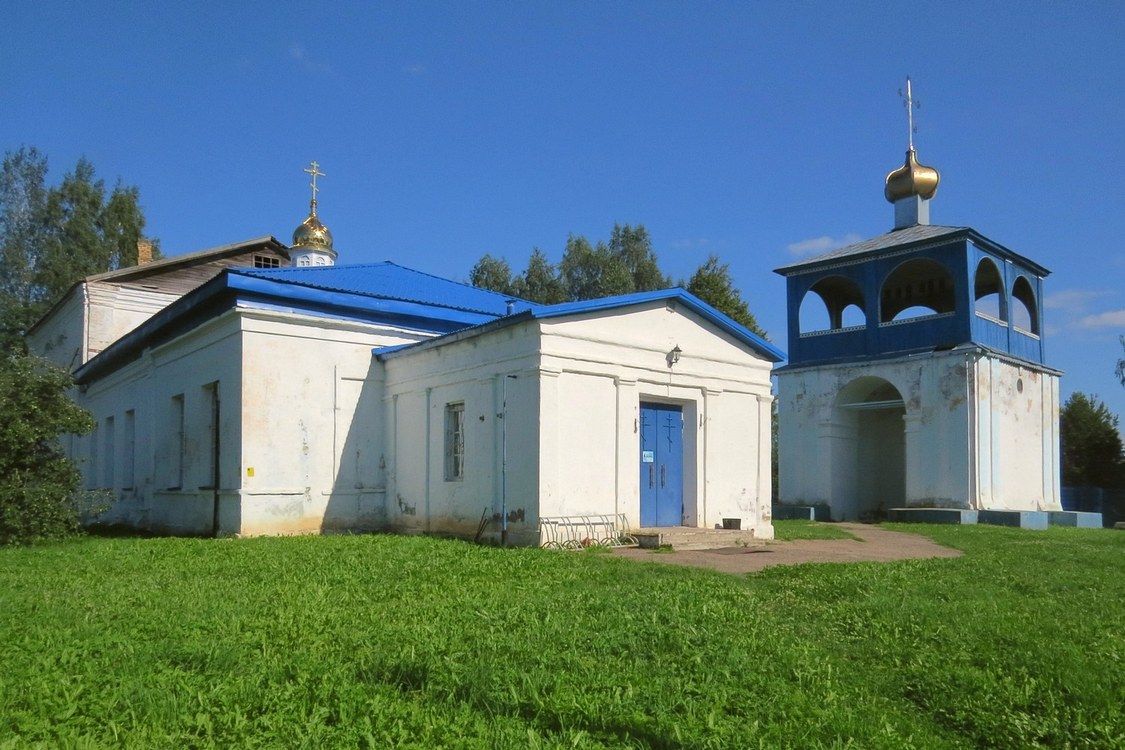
(1025, 314)
(988, 297)
(917, 288)
(832, 303)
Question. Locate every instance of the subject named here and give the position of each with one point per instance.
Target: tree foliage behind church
(52, 236)
(1092, 451)
(37, 481)
(625, 264)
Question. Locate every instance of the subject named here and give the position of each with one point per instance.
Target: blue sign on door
(662, 464)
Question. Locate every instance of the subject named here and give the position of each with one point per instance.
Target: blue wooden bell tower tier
(916, 289)
(917, 376)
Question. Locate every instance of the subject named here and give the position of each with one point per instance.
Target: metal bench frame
(580, 532)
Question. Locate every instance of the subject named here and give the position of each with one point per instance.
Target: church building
(259, 388)
(917, 375)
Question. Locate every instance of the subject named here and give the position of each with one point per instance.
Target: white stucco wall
(574, 388)
(1017, 422)
(316, 434)
(115, 310)
(171, 489)
(91, 317)
(612, 364)
(969, 439)
(501, 464)
(313, 423)
(61, 337)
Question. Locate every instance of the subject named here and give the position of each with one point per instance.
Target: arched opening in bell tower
(868, 450)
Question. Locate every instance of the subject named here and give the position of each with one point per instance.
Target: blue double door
(662, 464)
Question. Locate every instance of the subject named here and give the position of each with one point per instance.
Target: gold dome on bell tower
(912, 178)
(911, 186)
(312, 242)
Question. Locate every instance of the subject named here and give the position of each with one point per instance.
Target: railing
(579, 532)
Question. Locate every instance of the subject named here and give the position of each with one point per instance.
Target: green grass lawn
(790, 530)
(382, 641)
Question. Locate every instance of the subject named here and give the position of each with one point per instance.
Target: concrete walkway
(872, 544)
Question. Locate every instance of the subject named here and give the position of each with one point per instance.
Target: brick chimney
(144, 251)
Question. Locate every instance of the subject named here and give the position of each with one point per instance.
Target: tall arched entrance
(868, 450)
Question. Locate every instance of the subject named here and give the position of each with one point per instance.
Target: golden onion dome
(312, 234)
(910, 179)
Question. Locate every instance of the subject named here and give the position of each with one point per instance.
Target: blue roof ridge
(275, 275)
(467, 286)
(541, 312)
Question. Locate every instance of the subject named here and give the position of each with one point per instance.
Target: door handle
(663, 474)
(651, 475)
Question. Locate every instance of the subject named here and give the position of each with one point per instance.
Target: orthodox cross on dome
(911, 104)
(314, 170)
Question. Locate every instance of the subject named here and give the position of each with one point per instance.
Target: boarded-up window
(110, 457)
(128, 456)
(178, 444)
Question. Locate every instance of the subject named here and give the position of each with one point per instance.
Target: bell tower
(916, 376)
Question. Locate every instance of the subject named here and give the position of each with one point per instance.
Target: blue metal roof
(375, 292)
(541, 312)
(390, 281)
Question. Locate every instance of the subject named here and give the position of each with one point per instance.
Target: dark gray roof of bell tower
(904, 239)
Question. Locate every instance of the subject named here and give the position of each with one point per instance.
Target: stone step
(687, 538)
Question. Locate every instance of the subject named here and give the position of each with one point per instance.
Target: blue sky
(753, 130)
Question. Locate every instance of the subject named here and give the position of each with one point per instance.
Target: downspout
(429, 451)
(216, 438)
(504, 460)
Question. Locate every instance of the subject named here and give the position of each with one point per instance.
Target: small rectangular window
(178, 444)
(454, 442)
(266, 261)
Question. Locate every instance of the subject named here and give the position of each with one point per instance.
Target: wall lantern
(674, 355)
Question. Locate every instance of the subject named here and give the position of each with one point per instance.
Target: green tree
(712, 283)
(540, 282)
(633, 247)
(37, 481)
(1092, 451)
(493, 274)
(627, 263)
(50, 237)
(590, 272)
(23, 201)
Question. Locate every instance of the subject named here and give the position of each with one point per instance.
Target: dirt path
(872, 544)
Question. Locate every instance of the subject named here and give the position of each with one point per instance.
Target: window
(266, 261)
(128, 460)
(832, 304)
(110, 457)
(987, 291)
(917, 288)
(454, 442)
(178, 444)
(1025, 316)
